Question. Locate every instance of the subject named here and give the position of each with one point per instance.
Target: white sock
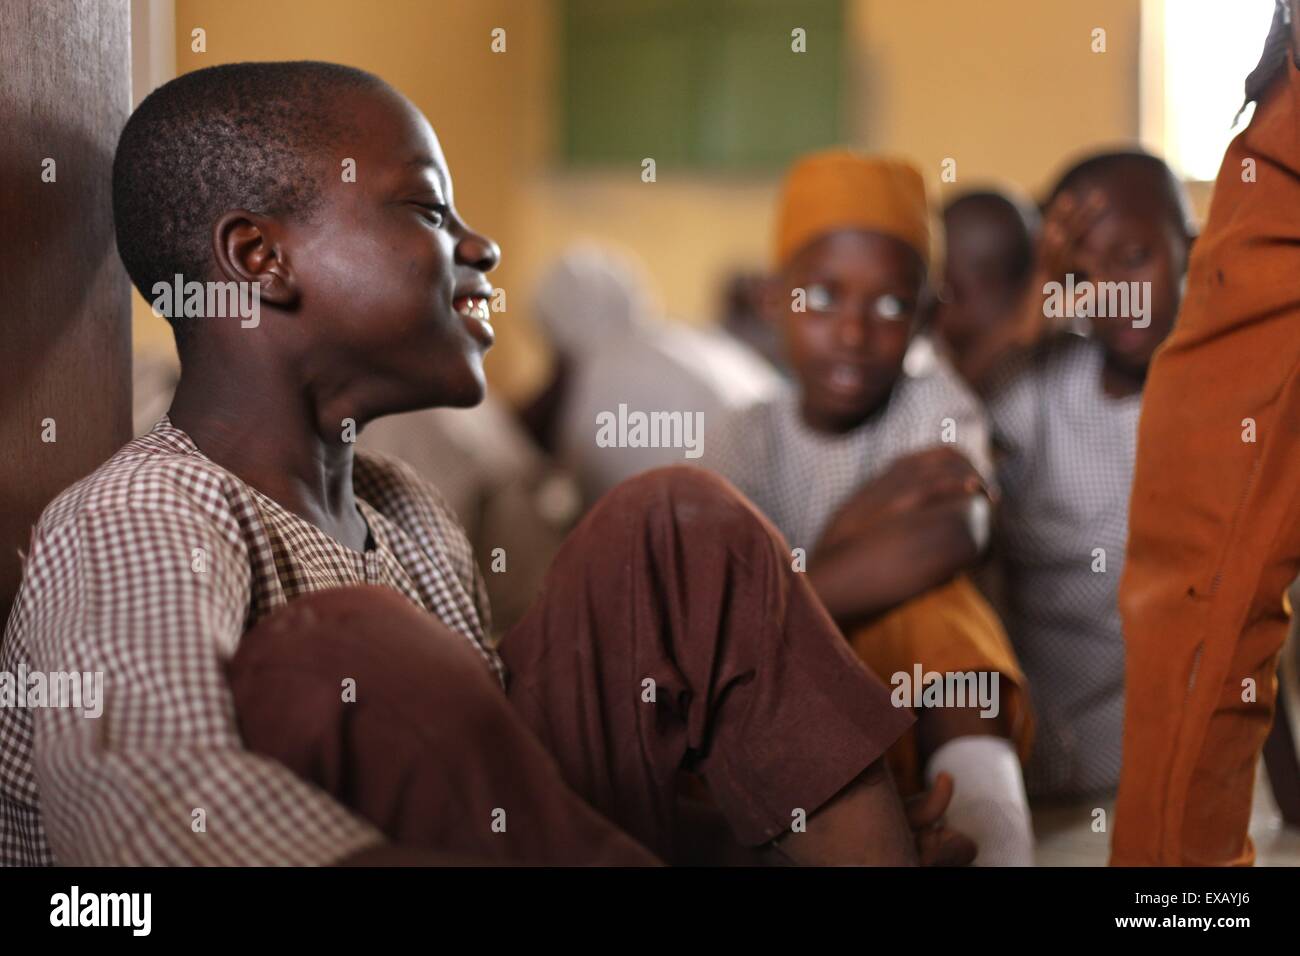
(989, 803)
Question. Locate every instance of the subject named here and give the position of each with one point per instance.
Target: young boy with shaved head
(293, 634)
(873, 464)
(988, 258)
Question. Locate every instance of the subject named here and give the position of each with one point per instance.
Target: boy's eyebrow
(425, 161)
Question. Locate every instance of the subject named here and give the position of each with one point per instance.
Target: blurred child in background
(1065, 410)
(873, 464)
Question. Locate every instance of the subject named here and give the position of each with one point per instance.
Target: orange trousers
(1214, 520)
(949, 629)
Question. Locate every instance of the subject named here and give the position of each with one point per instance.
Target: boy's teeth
(475, 307)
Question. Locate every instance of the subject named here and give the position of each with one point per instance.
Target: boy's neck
(1117, 382)
(270, 439)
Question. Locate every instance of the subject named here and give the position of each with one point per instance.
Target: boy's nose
(478, 251)
(853, 327)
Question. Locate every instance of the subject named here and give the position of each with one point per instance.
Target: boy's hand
(1068, 221)
(898, 536)
(910, 484)
(936, 844)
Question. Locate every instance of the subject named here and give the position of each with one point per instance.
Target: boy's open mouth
(475, 313)
(474, 306)
(845, 378)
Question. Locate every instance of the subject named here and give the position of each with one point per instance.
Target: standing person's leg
(1214, 528)
(376, 702)
(671, 634)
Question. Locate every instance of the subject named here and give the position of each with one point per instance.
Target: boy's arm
(894, 561)
(155, 600)
(903, 533)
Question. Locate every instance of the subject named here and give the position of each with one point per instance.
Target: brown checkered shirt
(150, 570)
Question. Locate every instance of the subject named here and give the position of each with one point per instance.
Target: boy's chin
(1133, 365)
(466, 400)
(467, 393)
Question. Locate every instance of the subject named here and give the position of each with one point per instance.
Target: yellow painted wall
(1007, 88)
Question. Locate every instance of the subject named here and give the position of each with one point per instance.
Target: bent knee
(689, 494)
(671, 479)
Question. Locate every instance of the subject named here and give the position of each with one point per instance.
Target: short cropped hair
(236, 136)
(1132, 164)
(1017, 228)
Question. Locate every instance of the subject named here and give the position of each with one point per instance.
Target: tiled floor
(1066, 836)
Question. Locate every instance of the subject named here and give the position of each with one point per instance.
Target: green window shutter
(706, 84)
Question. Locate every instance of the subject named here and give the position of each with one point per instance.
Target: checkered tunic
(1066, 476)
(150, 570)
(799, 477)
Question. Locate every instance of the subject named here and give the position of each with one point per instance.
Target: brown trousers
(1214, 526)
(671, 635)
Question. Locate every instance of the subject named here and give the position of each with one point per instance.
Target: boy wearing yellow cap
(873, 465)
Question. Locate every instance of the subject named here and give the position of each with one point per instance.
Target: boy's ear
(245, 250)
